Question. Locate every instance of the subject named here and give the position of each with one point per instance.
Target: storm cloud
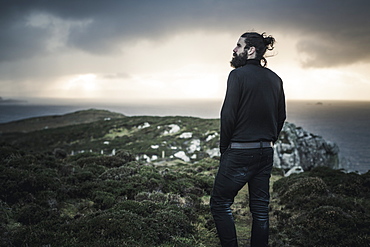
(141, 49)
(329, 33)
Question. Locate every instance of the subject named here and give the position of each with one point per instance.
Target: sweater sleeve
(229, 111)
(281, 111)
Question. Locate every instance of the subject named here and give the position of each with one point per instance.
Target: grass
(89, 199)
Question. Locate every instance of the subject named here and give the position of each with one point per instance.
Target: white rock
(145, 157)
(182, 155)
(145, 125)
(194, 146)
(210, 137)
(213, 152)
(294, 170)
(186, 135)
(154, 146)
(174, 129)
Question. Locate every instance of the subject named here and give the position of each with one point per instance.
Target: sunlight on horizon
(82, 83)
(198, 70)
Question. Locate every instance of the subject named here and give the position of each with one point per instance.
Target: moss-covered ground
(97, 200)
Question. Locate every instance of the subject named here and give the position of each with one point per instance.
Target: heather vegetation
(323, 207)
(53, 194)
(95, 200)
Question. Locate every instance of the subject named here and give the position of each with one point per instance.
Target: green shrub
(350, 184)
(118, 173)
(31, 214)
(7, 151)
(321, 208)
(328, 226)
(304, 193)
(103, 199)
(83, 155)
(106, 161)
(23, 177)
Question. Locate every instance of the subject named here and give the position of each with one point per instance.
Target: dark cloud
(17, 40)
(327, 51)
(329, 33)
(332, 33)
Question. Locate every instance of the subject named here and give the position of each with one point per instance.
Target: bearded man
(252, 116)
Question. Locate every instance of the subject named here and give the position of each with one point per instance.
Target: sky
(142, 50)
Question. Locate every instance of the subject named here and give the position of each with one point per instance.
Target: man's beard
(239, 60)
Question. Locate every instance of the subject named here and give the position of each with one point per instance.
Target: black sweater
(254, 106)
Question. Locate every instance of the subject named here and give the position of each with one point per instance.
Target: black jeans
(238, 167)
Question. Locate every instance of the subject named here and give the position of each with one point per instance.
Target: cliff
(299, 148)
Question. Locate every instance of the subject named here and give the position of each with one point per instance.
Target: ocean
(347, 123)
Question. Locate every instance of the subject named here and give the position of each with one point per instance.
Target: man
(252, 116)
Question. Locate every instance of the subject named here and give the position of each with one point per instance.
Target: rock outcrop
(297, 147)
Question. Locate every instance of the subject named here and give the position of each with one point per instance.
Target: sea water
(347, 123)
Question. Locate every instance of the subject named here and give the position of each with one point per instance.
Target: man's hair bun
(269, 42)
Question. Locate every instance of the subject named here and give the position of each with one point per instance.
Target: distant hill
(11, 101)
(55, 121)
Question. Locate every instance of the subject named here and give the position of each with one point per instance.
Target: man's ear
(251, 50)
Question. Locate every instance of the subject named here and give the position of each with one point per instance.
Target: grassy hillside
(93, 200)
(97, 200)
(49, 197)
(50, 122)
(152, 136)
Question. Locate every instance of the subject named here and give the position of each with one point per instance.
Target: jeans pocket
(239, 164)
